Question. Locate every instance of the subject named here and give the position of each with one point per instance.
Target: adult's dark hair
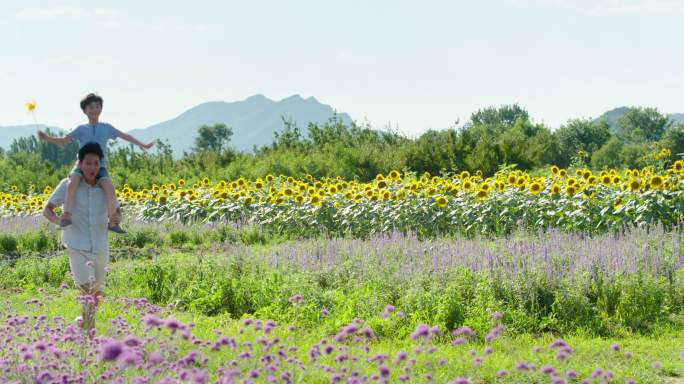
(93, 148)
(90, 98)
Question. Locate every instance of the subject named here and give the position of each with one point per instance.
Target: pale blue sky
(410, 64)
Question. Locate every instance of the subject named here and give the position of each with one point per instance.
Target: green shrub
(8, 244)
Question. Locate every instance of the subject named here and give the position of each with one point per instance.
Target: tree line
(492, 138)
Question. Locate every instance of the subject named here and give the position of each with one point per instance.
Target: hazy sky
(409, 64)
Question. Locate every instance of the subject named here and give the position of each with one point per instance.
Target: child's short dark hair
(90, 98)
(89, 148)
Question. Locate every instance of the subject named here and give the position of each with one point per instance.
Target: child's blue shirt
(99, 133)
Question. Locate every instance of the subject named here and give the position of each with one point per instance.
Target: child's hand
(148, 145)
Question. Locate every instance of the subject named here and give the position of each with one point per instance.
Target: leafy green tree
(609, 155)
(434, 152)
(673, 139)
(289, 138)
(580, 135)
(505, 114)
(214, 138)
(640, 124)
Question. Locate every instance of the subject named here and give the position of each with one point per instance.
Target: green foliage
(8, 244)
(642, 124)
(233, 284)
(580, 135)
(214, 138)
(673, 139)
(29, 242)
(609, 155)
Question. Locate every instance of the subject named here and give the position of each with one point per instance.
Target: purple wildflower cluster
(555, 254)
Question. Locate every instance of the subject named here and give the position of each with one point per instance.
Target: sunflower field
(430, 206)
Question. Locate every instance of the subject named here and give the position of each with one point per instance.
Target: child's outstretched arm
(135, 141)
(54, 140)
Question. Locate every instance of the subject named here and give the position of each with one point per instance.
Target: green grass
(590, 352)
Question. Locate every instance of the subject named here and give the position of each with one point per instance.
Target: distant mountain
(613, 115)
(253, 120)
(9, 133)
(677, 117)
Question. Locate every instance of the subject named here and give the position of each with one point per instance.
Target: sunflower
(678, 165)
(248, 200)
(570, 190)
(617, 203)
(299, 198)
(511, 179)
(441, 201)
(586, 174)
(555, 169)
(556, 189)
(535, 188)
(288, 192)
(606, 180)
(382, 184)
(394, 175)
(482, 194)
(315, 200)
(562, 173)
(635, 185)
(269, 178)
(656, 182)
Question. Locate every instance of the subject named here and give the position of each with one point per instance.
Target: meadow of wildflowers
(138, 342)
(455, 279)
